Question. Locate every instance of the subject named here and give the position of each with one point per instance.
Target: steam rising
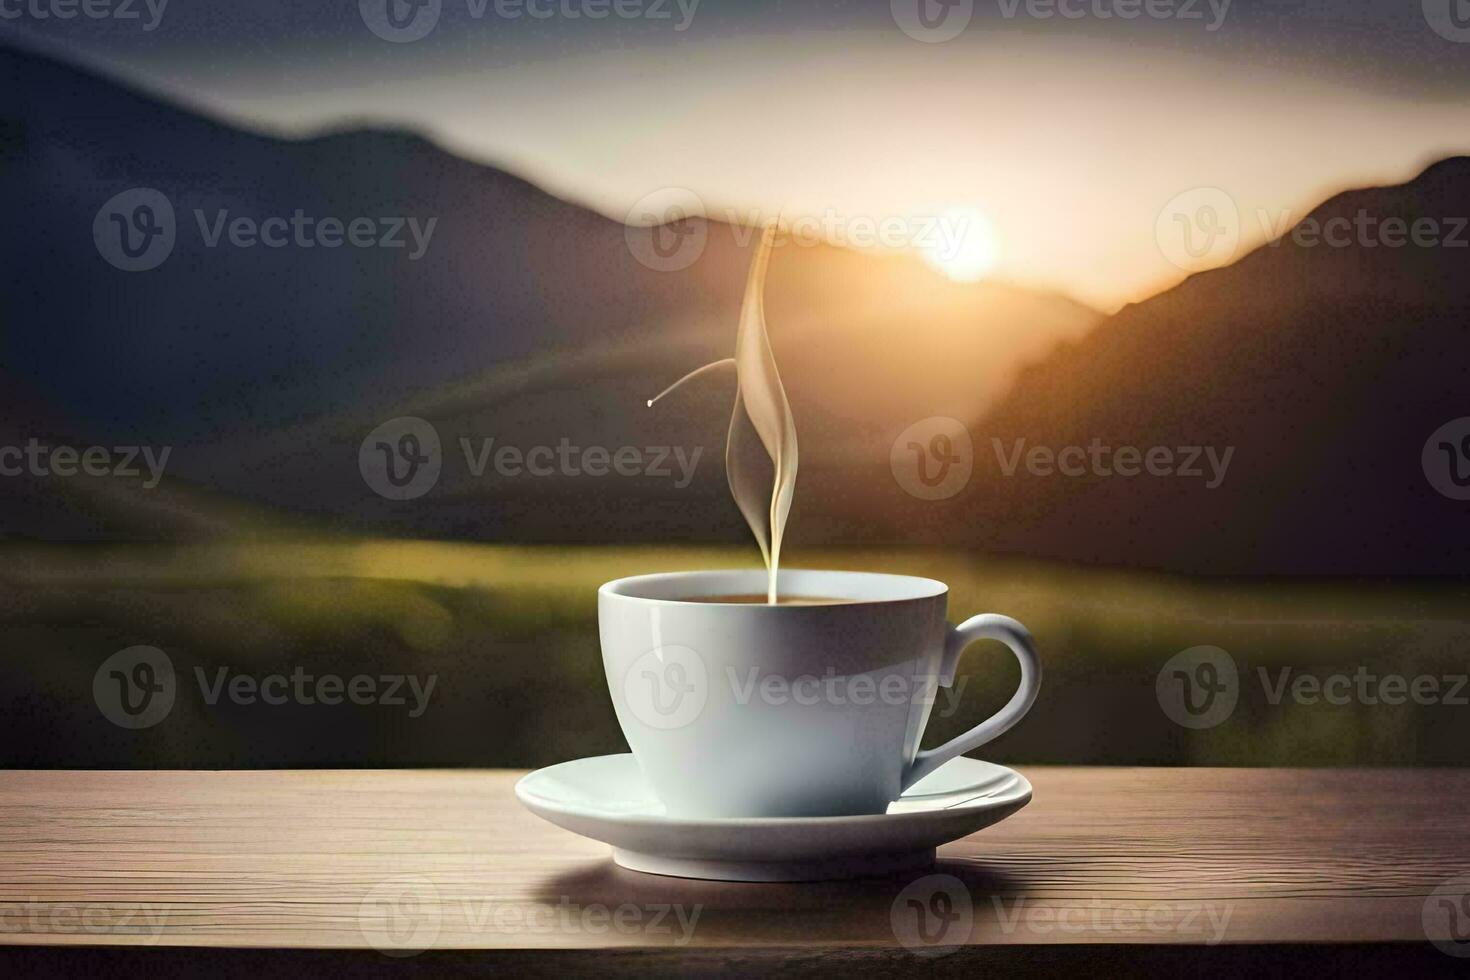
(761, 418)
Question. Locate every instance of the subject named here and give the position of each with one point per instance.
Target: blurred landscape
(1324, 548)
(509, 633)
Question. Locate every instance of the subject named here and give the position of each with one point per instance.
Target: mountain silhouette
(524, 319)
(1324, 361)
(1311, 372)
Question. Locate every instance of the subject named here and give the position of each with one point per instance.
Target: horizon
(1015, 208)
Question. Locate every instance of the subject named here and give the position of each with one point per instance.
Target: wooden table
(358, 870)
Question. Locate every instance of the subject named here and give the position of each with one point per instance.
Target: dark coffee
(759, 598)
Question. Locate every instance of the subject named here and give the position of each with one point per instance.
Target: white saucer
(606, 798)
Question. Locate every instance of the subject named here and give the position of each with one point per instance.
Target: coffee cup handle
(987, 626)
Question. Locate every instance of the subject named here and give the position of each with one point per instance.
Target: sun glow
(963, 245)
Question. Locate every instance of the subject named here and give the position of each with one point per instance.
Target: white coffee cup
(751, 710)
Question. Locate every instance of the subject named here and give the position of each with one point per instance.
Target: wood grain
(398, 860)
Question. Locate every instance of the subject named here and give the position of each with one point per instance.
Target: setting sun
(963, 246)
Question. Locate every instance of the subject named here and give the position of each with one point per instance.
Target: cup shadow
(857, 910)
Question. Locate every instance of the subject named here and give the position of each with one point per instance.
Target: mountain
(1302, 383)
(262, 349)
(1324, 367)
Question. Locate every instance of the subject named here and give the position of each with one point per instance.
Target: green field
(510, 633)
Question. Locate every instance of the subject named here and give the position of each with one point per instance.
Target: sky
(1055, 142)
